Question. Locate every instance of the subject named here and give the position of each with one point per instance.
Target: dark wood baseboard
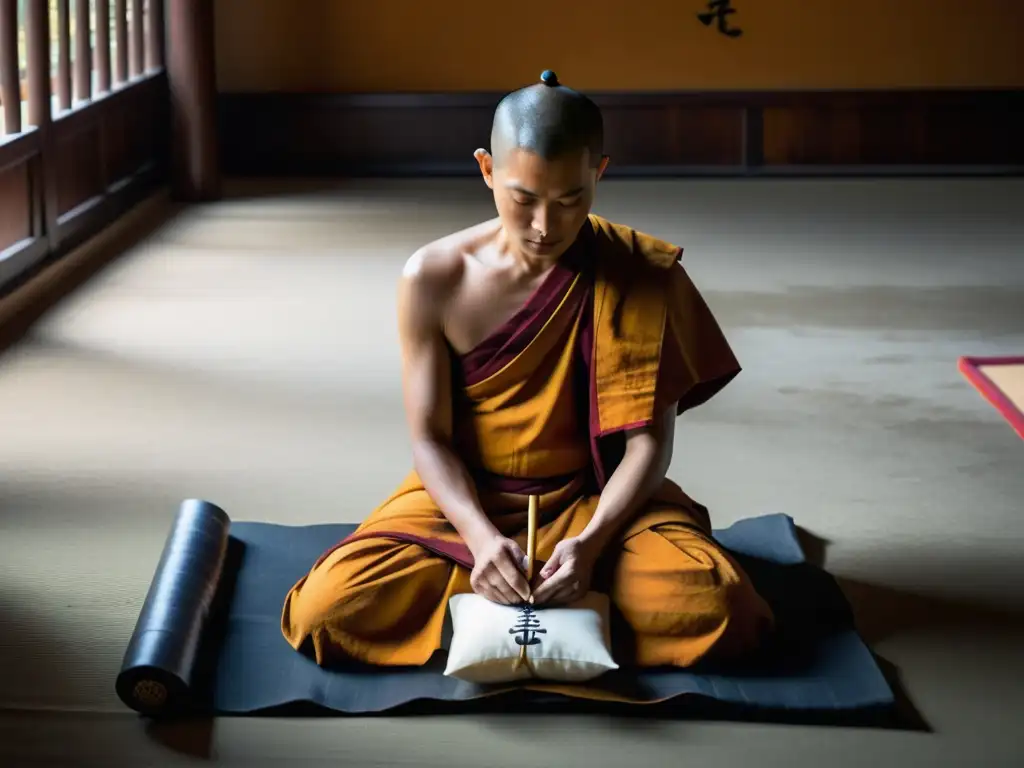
(761, 133)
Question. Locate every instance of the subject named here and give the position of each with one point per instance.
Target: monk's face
(542, 203)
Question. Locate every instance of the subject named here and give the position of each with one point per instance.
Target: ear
(486, 163)
(602, 166)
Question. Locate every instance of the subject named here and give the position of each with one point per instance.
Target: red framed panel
(1009, 405)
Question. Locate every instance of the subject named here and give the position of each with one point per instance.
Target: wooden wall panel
(810, 135)
(939, 129)
(743, 133)
(81, 169)
(424, 134)
(351, 133)
(652, 135)
(131, 137)
(988, 134)
(16, 211)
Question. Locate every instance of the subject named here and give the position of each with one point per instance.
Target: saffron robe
(614, 334)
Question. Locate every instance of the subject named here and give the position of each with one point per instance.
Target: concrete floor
(245, 353)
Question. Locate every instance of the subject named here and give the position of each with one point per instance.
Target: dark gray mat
(241, 663)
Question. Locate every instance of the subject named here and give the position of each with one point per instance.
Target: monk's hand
(566, 576)
(499, 571)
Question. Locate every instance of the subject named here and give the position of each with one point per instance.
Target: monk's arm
(640, 473)
(426, 368)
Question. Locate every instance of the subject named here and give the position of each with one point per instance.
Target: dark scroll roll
(156, 675)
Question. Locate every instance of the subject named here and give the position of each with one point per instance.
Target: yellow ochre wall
(461, 45)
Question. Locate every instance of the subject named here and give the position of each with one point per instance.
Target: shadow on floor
(815, 547)
(882, 612)
(192, 737)
(46, 671)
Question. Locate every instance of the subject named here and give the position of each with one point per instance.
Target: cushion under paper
(568, 644)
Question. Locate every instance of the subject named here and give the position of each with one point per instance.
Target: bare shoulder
(437, 268)
(432, 271)
(434, 274)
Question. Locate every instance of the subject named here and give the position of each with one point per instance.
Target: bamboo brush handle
(531, 556)
(531, 537)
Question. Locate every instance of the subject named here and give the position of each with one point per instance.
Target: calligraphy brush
(531, 556)
(531, 540)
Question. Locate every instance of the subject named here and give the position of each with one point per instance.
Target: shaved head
(549, 120)
(547, 155)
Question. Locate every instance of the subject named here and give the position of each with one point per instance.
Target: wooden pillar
(37, 39)
(102, 46)
(137, 46)
(83, 52)
(40, 114)
(155, 35)
(10, 88)
(121, 41)
(64, 53)
(191, 75)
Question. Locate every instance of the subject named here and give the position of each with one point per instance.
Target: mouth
(547, 245)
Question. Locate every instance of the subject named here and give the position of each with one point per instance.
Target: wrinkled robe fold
(616, 333)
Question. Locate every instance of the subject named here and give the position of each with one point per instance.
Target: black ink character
(720, 10)
(527, 627)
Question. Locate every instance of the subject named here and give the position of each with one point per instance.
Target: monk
(546, 352)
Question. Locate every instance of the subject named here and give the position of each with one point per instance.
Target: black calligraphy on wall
(718, 13)
(527, 627)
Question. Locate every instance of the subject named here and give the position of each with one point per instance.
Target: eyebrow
(525, 191)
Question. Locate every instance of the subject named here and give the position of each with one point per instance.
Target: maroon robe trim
(514, 335)
(454, 551)
(458, 553)
(508, 341)
(674, 385)
(523, 486)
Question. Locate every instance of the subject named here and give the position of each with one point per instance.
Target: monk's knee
(318, 597)
(364, 591)
(687, 600)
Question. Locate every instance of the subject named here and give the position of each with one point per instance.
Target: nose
(542, 220)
